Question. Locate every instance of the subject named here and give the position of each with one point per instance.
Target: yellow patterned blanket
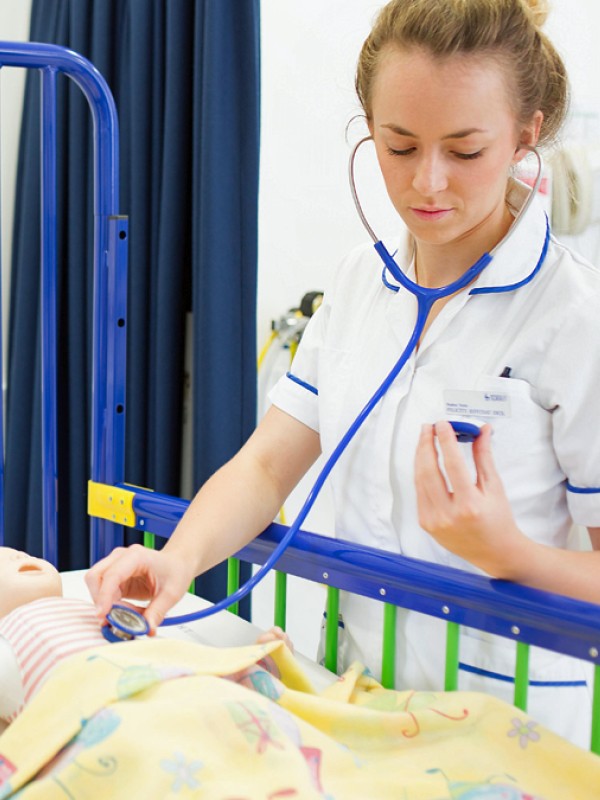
(157, 719)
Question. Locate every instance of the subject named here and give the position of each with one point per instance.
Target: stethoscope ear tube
(124, 623)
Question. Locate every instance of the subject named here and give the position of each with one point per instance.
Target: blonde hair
(507, 30)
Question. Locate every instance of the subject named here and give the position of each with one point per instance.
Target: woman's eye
(406, 152)
(469, 156)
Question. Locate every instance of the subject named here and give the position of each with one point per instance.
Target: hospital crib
(526, 616)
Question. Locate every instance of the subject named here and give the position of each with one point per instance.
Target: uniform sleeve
(297, 392)
(571, 370)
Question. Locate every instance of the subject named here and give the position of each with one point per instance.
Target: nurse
(454, 93)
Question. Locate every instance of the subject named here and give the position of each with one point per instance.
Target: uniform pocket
(524, 431)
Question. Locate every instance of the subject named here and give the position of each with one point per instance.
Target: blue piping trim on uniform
(581, 490)
(507, 679)
(511, 287)
(302, 383)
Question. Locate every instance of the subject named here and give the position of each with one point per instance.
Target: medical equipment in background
(572, 190)
(425, 298)
(288, 329)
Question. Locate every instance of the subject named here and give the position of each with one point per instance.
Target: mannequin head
(24, 578)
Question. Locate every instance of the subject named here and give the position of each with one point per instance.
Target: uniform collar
(515, 263)
(518, 260)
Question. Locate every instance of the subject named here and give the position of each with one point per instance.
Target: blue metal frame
(501, 607)
(110, 280)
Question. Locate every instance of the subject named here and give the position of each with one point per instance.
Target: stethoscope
(124, 623)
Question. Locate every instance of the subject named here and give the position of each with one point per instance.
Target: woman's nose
(430, 176)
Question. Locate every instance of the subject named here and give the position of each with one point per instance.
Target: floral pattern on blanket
(168, 719)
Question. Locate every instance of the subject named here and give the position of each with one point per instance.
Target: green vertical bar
(331, 628)
(388, 656)
(595, 743)
(149, 540)
(452, 646)
(280, 599)
(521, 676)
(233, 581)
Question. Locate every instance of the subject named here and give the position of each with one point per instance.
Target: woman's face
(446, 136)
(24, 578)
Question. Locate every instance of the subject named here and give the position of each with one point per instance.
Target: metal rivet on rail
(445, 609)
(516, 630)
(594, 652)
(382, 592)
(141, 522)
(325, 576)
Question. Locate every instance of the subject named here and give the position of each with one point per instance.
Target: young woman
(455, 93)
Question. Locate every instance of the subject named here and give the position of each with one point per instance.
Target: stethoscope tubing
(425, 297)
(314, 492)
(443, 291)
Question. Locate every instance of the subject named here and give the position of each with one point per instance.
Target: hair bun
(539, 10)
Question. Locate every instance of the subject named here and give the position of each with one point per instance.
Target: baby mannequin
(39, 627)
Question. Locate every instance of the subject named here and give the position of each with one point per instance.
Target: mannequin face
(24, 578)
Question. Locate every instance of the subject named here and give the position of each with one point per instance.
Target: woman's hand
(138, 573)
(472, 519)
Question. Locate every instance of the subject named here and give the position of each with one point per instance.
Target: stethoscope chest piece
(124, 624)
(465, 431)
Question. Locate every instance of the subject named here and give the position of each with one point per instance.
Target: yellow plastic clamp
(111, 503)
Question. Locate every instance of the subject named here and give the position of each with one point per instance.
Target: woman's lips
(431, 214)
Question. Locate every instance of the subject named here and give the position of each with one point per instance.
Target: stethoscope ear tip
(124, 624)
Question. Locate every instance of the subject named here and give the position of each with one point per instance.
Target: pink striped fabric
(45, 632)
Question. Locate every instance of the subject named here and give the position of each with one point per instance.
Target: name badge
(473, 403)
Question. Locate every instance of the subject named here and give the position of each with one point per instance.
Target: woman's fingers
(431, 488)
(487, 475)
(126, 572)
(93, 576)
(138, 573)
(455, 465)
(159, 606)
(446, 493)
(427, 471)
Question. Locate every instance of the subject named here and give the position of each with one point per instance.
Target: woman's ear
(529, 136)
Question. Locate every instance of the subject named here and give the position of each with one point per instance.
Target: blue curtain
(185, 76)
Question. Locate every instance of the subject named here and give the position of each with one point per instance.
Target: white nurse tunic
(534, 313)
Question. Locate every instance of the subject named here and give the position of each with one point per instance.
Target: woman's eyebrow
(458, 135)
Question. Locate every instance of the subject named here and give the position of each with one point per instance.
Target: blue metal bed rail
(547, 620)
(524, 615)
(110, 281)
